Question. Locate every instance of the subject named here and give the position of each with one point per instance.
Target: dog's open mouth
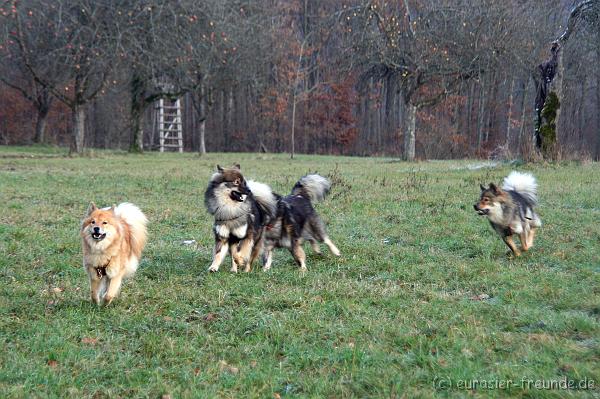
(481, 212)
(98, 236)
(237, 196)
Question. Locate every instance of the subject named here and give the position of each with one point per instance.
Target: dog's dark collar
(101, 270)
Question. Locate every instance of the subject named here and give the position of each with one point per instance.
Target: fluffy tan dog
(113, 239)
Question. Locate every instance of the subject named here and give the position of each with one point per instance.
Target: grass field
(423, 301)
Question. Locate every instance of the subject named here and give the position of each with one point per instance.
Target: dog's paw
(336, 252)
(233, 269)
(108, 299)
(266, 268)
(213, 269)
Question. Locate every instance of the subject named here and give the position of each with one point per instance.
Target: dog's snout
(476, 207)
(96, 229)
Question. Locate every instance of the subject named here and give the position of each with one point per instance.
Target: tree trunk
(40, 124)
(202, 125)
(509, 117)
(480, 115)
(78, 128)
(42, 104)
(136, 143)
(137, 88)
(596, 155)
(410, 132)
(523, 113)
(559, 90)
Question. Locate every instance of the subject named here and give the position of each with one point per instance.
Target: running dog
(510, 209)
(241, 210)
(297, 220)
(112, 239)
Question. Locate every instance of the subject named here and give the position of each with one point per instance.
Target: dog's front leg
(511, 244)
(243, 254)
(267, 258)
(95, 285)
(219, 254)
(234, 249)
(114, 283)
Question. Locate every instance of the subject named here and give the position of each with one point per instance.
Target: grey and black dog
(241, 209)
(510, 209)
(297, 220)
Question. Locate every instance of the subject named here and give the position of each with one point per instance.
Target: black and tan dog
(296, 220)
(510, 209)
(241, 209)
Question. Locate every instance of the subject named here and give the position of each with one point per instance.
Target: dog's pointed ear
(494, 189)
(113, 207)
(219, 169)
(91, 208)
(481, 186)
(237, 166)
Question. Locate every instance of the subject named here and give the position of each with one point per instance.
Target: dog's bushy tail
(264, 197)
(522, 183)
(314, 187)
(133, 216)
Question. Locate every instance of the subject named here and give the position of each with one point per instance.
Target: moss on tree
(548, 128)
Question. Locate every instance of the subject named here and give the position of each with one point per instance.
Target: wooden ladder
(170, 126)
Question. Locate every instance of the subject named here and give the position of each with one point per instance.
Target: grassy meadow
(423, 302)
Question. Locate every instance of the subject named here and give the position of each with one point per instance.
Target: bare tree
(67, 47)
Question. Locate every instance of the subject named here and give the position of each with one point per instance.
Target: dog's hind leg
(315, 246)
(318, 230)
(220, 252)
(530, 237)
(256, 250)
(524, 237)
(334, 250)
(511, 244)
(298, 253)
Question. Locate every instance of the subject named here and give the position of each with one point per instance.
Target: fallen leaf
(52, 363)
(276, 396)
(223, 366)
(480, 297)
(167, 318)
(89, 341)
(57, 289)
(210, 317)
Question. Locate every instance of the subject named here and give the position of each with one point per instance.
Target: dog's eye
(93, 222)
(104, 222)
(237, 182)
(485, 200)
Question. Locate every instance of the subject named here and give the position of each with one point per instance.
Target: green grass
(401, 310)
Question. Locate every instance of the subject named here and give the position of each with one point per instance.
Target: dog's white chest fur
(224, 232)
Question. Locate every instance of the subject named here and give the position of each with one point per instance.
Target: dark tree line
(412, 78)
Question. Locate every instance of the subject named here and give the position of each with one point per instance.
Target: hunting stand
(170, 126)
